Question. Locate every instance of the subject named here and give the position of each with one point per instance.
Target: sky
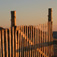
(28, 12)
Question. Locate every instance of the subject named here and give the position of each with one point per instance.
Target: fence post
(13, 18)
(50, 32)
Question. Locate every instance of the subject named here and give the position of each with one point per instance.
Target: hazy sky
(28, 12)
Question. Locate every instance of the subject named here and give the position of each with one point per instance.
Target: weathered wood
(27, 39)
(18, 43)
(26, 42)
(3, 43)
(6, 42)
(13, 39)
(0, 45)
(35, 40)
(50, 32)
(44, 39)
(31, 40)
(10, 40)
(38, 40)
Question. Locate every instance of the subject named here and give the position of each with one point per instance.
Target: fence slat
(32, 40)
(10, 40)
(27, 41)
(33, 43)
(3, 43)
(13, 39)
(38, 40)
(6, 42)
(18, 43)
(44, 39)
(0, 45)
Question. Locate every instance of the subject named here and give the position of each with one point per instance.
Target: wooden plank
(47, 41)
(49, 37)
(7, 42)
(27, 41)
(44, 39)
(35, 42)
(3, 43)
(20, 43)
(16, 41)
(10, 40)
(11, 43)
(32, 41)
(0, 45)
(13, 39)
(23, 44)
(40, 39)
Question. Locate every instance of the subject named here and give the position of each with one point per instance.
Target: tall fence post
(50, 32)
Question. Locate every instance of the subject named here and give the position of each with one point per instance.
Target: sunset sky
(28, 12)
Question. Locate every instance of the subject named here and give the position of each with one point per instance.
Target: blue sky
(28, 12)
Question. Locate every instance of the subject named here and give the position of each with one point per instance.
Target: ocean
(55, 34)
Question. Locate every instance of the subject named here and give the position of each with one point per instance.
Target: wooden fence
(27, 41)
